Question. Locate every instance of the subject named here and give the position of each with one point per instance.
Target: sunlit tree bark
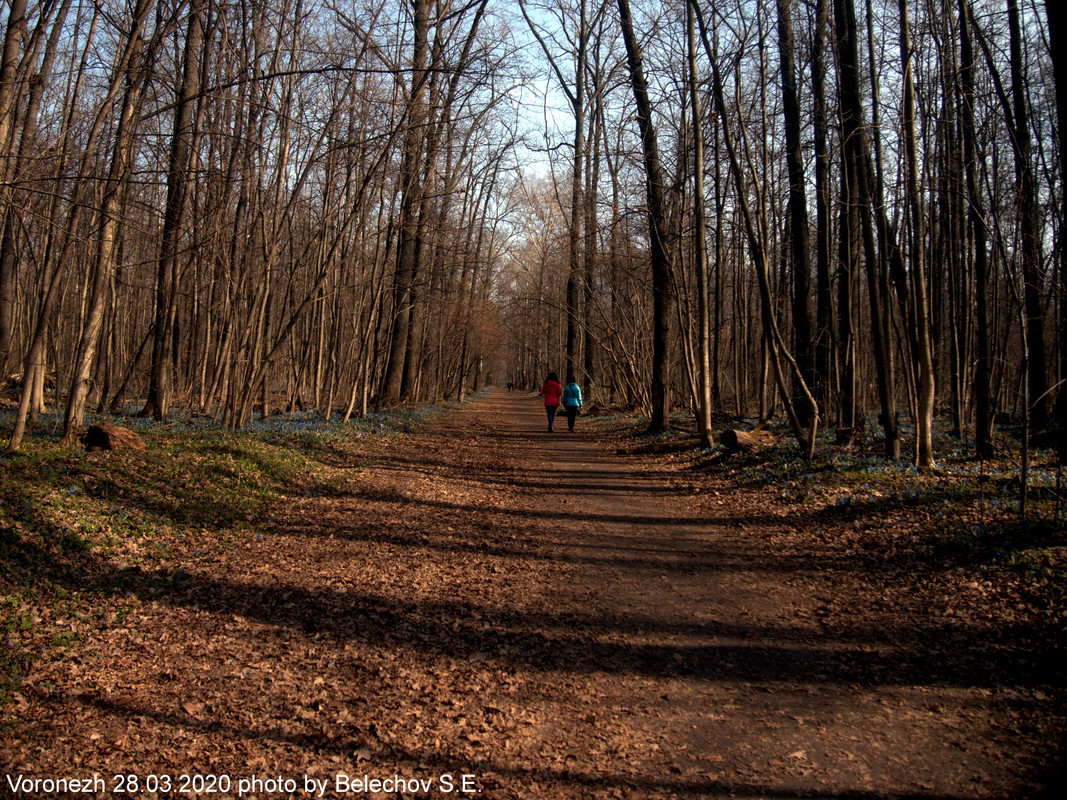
(110, 226)
(411, 189)
(179, 191)
(700, 258)
(9, 58)
(917, 252)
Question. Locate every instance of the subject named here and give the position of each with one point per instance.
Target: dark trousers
(572, 413)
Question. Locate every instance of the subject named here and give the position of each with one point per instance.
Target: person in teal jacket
(572, 401)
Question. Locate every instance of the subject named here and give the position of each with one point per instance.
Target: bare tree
(754, 227)
(9, 58)
(575, 91)
(798, 215)
(857, 155)
(411, 189)
(1033, 274)
(699, 237)
(925, 421)
(980, 231)
(105, 258)
(1057, 24)
(179, 192)
(659, 249)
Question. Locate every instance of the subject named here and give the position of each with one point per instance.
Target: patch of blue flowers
(307, 429)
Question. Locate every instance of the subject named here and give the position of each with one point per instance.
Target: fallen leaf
(193, 709)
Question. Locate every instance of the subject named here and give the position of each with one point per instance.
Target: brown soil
(555, 621)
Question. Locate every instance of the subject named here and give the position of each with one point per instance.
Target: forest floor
(484, 608)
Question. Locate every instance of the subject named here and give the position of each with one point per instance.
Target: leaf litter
(479, 597)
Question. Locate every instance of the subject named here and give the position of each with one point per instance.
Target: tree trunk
(824, 309)
(983, 400)
(657, 221)
(699, 238)
(925, 405)
(31, 399)
(9, 58)
(575, 239)
(1057, 27)
(411, 187)
(591, 243)
(774, 348)
(857, 158)
(179, 190)
(798, 217)
(108, 243)
(1030, 223)
(736, 441)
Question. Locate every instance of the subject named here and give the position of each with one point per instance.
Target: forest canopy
(846, 211)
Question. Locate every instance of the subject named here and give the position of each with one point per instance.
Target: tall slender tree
(798, 215)
(980, 231)
(700, 250)
(9, 58)
(175, 215)
(857, 162)
(1030, 224)
(411, 195)
(659, 247)
(1057, 26)
(575, 91)
(917, 253)
(109, 218)
(824, 308)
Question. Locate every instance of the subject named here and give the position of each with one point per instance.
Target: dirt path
(552, 621)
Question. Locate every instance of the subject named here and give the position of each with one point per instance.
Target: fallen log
(739, 441)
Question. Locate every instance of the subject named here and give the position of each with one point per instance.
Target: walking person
(572, 401)
(552, 392)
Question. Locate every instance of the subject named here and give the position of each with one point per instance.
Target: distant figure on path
(572, 401)
(552, 392)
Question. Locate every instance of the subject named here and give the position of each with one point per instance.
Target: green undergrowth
(73, 523)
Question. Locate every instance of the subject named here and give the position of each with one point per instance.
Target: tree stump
(106, 436)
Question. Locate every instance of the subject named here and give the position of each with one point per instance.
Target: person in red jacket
(552, 392)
